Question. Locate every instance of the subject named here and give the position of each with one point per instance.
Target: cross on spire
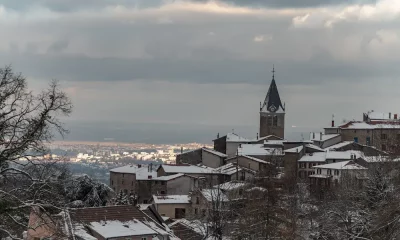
(273, 72)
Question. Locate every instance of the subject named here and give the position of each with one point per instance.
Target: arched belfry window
(275, 120)
(269, 120)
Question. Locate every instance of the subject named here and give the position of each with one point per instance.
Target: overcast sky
(177, 71)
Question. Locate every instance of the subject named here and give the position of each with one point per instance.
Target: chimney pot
(313, 135)
(333, 123)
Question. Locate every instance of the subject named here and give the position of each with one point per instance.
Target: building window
(155, 182)
(162, 192)
(144, 201)
(144, 238)
(162, 183)
(383, 147)
(310, 165)
(196, 211)
(197, 200)
(356, 139)
(336, 172)
(112, 182)
(302, 165)
(329, 172)
(122, 182)
(355, 131)
(383, 136)
(123, 175)
(319, 171)
(275, 121)
(368, 141)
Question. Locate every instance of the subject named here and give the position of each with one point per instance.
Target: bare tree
(27, 123)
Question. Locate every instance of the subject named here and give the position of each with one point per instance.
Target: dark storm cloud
(318, 70)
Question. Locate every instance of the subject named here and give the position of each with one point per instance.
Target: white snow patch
(167, 199)
(114, 229)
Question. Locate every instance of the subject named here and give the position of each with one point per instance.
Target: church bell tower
(272, 112)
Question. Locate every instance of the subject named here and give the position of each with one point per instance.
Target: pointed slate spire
(272, 102)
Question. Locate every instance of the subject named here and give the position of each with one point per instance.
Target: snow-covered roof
(375, 159)
(258, 150)
(196, 225)
(80, 231)
(339, 145)
(346, 165)
(314, 147)
(314, 157)
(274, 142)
(189, 169)
(209, 150)
(371, 125)
(142, 172)
(171, 199)
(230, 185)
(212, 151)
(379, 116)
(115, 229)
(322, 137)
(233, 137)
(294, 150)
(228, 169)
(264, 138)
(343, 155)
(214, 195)
(337, 155)
(169, 177)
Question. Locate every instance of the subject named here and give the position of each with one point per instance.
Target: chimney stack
(313, 135)
(333, 123)
(395, 116)
(320, 136)
(257, 136)
(390, 115)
